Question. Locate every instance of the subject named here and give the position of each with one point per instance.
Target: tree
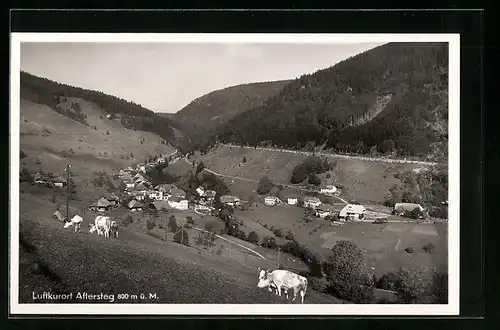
(278, 232)
(200, 167)
(388, 281)
(172, 224)
(314, 179)
(386, 146)
(414, 285)
(253, 237)
(299, 174)
(289, 236)
(181, 237)
(265, 185)
(189, 219)
(346, 271)
(150, 224)
(25, 176)
(244, 159)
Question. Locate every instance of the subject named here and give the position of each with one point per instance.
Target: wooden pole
(67, 192)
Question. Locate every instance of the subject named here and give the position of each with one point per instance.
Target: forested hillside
(390, 99)
(202, 118)
(50, 93)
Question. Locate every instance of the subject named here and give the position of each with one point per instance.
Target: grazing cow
(114, 228)
(102, 225)
(263, 274)
(76, 221)
(284, 279)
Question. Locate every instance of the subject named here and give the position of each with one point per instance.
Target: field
(56, 259)
(383, 244)
(364, 181)
(51, 141)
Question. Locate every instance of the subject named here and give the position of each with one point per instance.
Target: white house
(156, 195)
(312, 202)
(292, 201)
(129, 185)
(271, 200)
(160, 160)
(354, 211)
(229, 200)
(178, 203)
(328, 190)
(200, 191)
(134, 205)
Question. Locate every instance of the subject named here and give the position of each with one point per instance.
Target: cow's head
(93, 228)
(264, 281)
(68, 224)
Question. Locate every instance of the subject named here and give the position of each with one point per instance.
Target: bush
(429, 248)
(299, 174)
(318, 283)
(387, 282)
(172, 225)
(150, 224)
(253, 237)
(439, 212)
(25, 176)
(181, 237)
(409, 250)
(290, 236)
(269, 242)
(244, 159)
(190, 220)
(278, 232)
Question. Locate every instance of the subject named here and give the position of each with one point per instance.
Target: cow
(262, 274)
(76, 221)
(114, 228)
(284, 279)
(102, 225)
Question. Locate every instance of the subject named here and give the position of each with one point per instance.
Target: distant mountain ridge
(205, 115)
(390, 99)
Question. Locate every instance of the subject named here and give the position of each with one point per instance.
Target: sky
(165, 77)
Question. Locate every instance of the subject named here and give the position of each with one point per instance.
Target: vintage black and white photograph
(238, 174)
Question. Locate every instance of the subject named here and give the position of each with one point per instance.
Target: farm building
(112, 199)
(101, 205)
(59, 182)
(312, 202)
(229, 200)
(134, 206)
(401, 208)
(328, 190)
(272, 200)
(324, 210)
(156, 195)
(352, 211)
(161, 160)
(292, 201)
(165, 187)
(178, 203)
(129, 185)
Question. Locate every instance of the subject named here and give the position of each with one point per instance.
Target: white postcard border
(452, 308)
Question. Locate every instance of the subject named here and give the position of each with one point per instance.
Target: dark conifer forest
(390, 99)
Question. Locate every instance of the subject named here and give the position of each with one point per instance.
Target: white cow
(284, 279)
(76, 221)
(262, 274)
(102, 225)
(114, 228)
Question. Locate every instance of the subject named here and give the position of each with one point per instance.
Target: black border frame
(468, 23)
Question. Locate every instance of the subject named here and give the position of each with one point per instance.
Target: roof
(101, 202)
(228, 199)
(210, 193)
(112, 197)
(165, 186)
(311, 199)
(134, 203)
(178, 192)
(353, 208)
(161, 205)
(176, 199)
(271, 198)
(407, 206)
(326, 208)
(59, 179)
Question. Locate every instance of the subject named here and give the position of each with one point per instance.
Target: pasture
(56, 259)
(384, 244)
(365, 181)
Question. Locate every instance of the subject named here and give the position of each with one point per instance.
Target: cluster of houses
(44, 180)
(322, 210)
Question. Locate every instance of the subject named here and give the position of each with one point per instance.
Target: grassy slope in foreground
(59, 260)
(364, 181)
